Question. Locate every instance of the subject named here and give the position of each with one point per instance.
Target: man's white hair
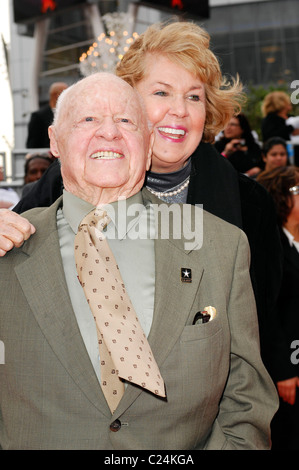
(95, 77)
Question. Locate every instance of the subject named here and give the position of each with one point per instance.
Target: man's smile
(106, 155)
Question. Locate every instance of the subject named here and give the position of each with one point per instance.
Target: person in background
(276, 107)
(283, 185)
(41, 120)
(35, 166)
(274, 154)
(239, 146)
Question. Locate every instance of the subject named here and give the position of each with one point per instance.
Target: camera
(242, 143)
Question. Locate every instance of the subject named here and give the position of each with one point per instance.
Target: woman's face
(233, 129)
(176, 107)
(277, 156)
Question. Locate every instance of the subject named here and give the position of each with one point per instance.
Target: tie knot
(97, 218)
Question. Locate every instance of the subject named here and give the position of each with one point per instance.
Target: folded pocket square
(208, 314)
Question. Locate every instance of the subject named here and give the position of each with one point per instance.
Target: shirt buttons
(115, 426)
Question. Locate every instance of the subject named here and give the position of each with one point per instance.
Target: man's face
(102, 139)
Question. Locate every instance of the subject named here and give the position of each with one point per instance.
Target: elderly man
(72, 378)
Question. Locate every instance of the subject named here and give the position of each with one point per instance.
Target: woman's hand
(14, 230)
(253, 171)
(233, 146)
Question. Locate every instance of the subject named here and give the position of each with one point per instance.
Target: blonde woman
(275, 110)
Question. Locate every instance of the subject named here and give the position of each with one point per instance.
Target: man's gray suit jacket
(219, 395)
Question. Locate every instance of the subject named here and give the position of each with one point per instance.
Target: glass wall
(259, 40)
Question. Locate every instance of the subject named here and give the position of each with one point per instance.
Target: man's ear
(150, 150)
(53, 142)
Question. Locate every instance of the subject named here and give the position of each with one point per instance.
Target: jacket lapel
(43, 282)
(173, 303)
(173, 298)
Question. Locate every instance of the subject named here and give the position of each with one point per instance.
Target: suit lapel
(173, 297)
(43, 282)
(173, 302)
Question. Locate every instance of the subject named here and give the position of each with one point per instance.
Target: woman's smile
(175, 134)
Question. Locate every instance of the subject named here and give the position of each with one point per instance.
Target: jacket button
(115, 426)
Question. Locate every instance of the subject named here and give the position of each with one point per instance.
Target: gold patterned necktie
(123, 346)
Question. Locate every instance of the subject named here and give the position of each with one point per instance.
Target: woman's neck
(293, 228)
(283, 113)
(163, 181)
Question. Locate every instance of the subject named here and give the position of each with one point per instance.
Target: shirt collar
(291, 239)
(289, 236)
(122, 218)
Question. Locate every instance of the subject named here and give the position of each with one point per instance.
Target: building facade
(256, 39)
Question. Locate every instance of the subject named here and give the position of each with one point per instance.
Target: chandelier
(108, 49)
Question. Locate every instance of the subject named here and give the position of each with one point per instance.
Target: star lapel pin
(186, 275)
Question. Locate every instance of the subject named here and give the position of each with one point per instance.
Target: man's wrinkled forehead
(104, 97)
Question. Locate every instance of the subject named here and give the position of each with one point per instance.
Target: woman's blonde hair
(187, 45)
(275, 102)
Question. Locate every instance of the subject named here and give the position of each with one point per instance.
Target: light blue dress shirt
(130, 235)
